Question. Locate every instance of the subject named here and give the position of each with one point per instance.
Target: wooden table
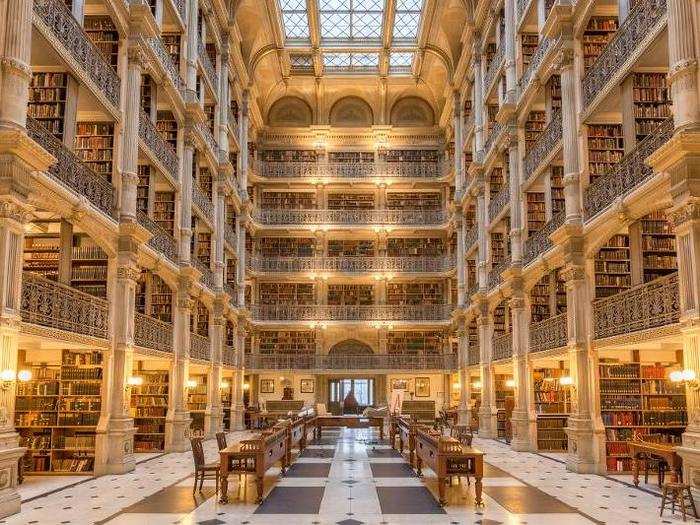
(405, 429)
(447, 457)
(349, 422)
(639, 450)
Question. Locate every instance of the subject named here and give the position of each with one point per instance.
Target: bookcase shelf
(415, 293)
(555, 92)
(556, 183)
(351, 201)
(418, 247)
(528, 45)
(286, 246)
(166, 125)
(47, 101)
(351, 294)
(164, 210)
(197, 404)
(278, 155)
(415, 343)
(536, 217)
(550, 396)
(41, 254)
(351, 157)
(540, 300)
(613, 266)
(287, 200)
(534, 125)
(94, 143)
(88, 266)
(550, 432)
(495, 181)
(171, 42)
(413, 201)
(652, 102)
(606, 147)
(658, 246)
(142, 189)
(286, 293)
(502, 393)
(226, 405)
(287, 342)
(498, 248)
(411, 155)
(599, 31)
(149, 406)
(351, 248)
(103, 33)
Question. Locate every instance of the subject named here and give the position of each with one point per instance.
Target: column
(482, 269)
(683, 72)
(192, 39)
(523, 421)
(186, 197)
(459, 145)
(243, 143)
(510, 36)
(478, 102)
(237, 408)
(218, 237)
(177, 421)
(487, 411)
(130, 144)
(240, 251)
(570, 136)
(460, 226)
(464, 412)
(516, 200)
(214, 414)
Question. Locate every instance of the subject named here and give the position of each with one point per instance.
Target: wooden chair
(203, 470)
(678, 494)
(221, 440)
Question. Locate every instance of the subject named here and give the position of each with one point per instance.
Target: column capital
(686, 213)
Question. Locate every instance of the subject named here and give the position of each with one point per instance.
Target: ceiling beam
(315, 35)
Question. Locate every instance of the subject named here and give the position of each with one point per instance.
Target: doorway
(362, 389)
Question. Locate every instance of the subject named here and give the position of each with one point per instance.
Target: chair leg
(217, 483)
(663, 501)
(194, 489)
(692, 504)
(682, 503)
(201, 482)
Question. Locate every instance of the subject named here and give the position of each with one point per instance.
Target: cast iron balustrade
(313, 312)
(65, 31)
(207, 275)
(413, 170)
(230, 289)
(495, 274)
(535, 62)
(643, 307)
(351, 170)
(548, 334)
(348, 170)
(71, 172)
(640, 22)
(494, 67)
(208, 138)
(471, 237)
(547, 142)
(166, 61)
(229, 356)
(473, 288)
(540, 242)
(286, 170)
(473, 355)
(628, 174)
(232, 121)
(352, 264)
(161, 240)
(230, 236)
(55, 305)
(180, 6)
(499, 202)
(202, 202)
(350, 362)
(469, 123)
(200, 348)
(503, 346)
(160, 148)
(520, 7)
(313, 216)
(494, 134)
(152, 333)
(208, 67)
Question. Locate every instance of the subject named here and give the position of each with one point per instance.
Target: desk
(405, 429)
(638, 449)
(349, 422)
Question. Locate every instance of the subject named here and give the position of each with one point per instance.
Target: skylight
(351, 62)
(400, 62)
(295, 20)
(407, 20)
(351, 20)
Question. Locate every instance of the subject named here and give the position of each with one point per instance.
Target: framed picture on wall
(306, 386)
(422, 387)
(399, 384)
(267, 386)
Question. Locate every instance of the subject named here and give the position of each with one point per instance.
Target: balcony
(537, 59)
(70, 171)
(472, 289)
(641, 26)
(200, 347)
(67, 37)
(208, 68)
(493, 68)
(233, 123)
(208, 140)
(352, 264)
(181, 10)
(545, 147)
(160, 151)
(549, 334)
(629, 174)
(312, 312)
(231, 290)
(160, 240)
(495, 132)
(473, 355)
(540, 242)
(60, 307)
(172, 72)
(471, 238)
(502, 347)
(650, 305)
(498, 203)
(229, 357)
(203, 204)
(349, 170)
(274, 217)
(208, 278)
(351, 362)
(152, 333)
(495, 277)
(230, 237)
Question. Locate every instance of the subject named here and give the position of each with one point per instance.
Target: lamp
(224, 385)
(9, 376)
(566, 380)
(191, 383)
(246, 386)
(134, 381)
(456, 385)
(476, 385)
(510, 383)
(687, 377)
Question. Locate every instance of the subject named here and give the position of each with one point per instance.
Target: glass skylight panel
(351, 20)
(351, 62)
(295, 19)
(407, 19)
(401, 62)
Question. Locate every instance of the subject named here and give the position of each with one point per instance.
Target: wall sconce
(224, 385)
(191, 383)
(686, 376)
(510, 383)
(246, 386)
(134, 381)
(476, 385)
(9, 376)
(456, 386)
(566, 380)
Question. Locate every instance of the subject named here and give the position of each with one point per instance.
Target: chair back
(197, 451)
(221, 440)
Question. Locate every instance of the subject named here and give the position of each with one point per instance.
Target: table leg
(441, 491)
(477, 492)
(635, 470)
(259, 488)
(224, 486)
(381, 431)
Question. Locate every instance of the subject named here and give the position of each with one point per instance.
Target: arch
(411, 112)
(351, 112)
(290, 111)
(351, 347)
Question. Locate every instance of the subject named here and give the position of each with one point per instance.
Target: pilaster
(237, 408)
(488, 410)
(214, 414)
(523, 419)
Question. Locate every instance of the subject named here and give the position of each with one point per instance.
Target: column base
(523, 439)
(689, 451)
(488, 426)
(177, 432)
(114, 447)
(464, 416)
(10, 500)
(586, 450)
(237, 419)
(213, 423)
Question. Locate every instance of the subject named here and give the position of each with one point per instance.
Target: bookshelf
(149, 406)
(147, 95)
(201, 325)
(88, 266)
(612, 267)
(94, 143)
(413, 201)
(417, 247)
(286, 246)
(551, 436)
(171, 42)
(499, 320)
(556, 185)
(351, 201)
(142, 188)
(161, 299)
(498, 248)
(559, 292)
(534, 125)
(286, 293)
(550, 396)
(205, 182)
(291, 342)
(197, 404)
(231, 272)
(503, 392)
(276, 200)
(105, 36)
(652, 102)
(41, 254)
(495, 181)
(277, 155)
(351, 294)
(555, 92)
(226, 403)
(637, 399)
(471, 272)
(57, 411)
(658, 246)
(351, 157)
(411, 155)
(415, 293)
(164, 210)
(599, 31)
(166, 125)
(203, 253)
(415, 343)
(536, 214)
(351, 248)
(209, 112)
(540, 300)
(606, 147)
(47, 101)
(528, 46)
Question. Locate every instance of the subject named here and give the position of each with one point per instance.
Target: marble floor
(349, 477)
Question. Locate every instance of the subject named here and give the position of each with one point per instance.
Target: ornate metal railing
(161, 240)
(471, 237)
(540, 242)
(200, 348)
(207, 66)
(286, 170)
(628, 174)
(349, 170)
(313, 216)
(646, 306)
(70, 170)
(351, 264)
(202, 202)
(208, 139)
(230, 236)
(229, 356)
(160, 148)
(231, 290)
(535, 62)
(351, 362)
(207, 275)
(499, 202)
(411, 170)
(494, 67)
(166, 61)
(313, 312)
(503, 346)
(520, 7)
(54, 305)
(232, 121)
(180, 6)
(472, 289)
(55, 15)
(546, 143)
(494, 134)
(495, 273)
(152, 333)
(468, 122)
(548, 334)
(633, 31)
(473, 355)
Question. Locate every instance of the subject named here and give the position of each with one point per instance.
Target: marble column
(240, 252)
(570, 137)
(482, 268)
(214, 414)
(683, 72)
(243, 143)
(186, 197)
(523, 419)
(461, 284)
(488, 410)
(15, 73)
(464, 411)
(478, 102)
(237, 408)
(516, 198)
(459, 145)
(510, 40)
(130, 140)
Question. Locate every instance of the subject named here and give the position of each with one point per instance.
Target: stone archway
(351, 347)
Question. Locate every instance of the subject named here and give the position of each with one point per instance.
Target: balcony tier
(351, 362)
(312, 312)
(352, 264)
(272, 217)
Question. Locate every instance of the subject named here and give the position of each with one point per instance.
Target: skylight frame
(351, 22)
(295, 21)
(401, 62)
(350, 62)
(407, 21)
